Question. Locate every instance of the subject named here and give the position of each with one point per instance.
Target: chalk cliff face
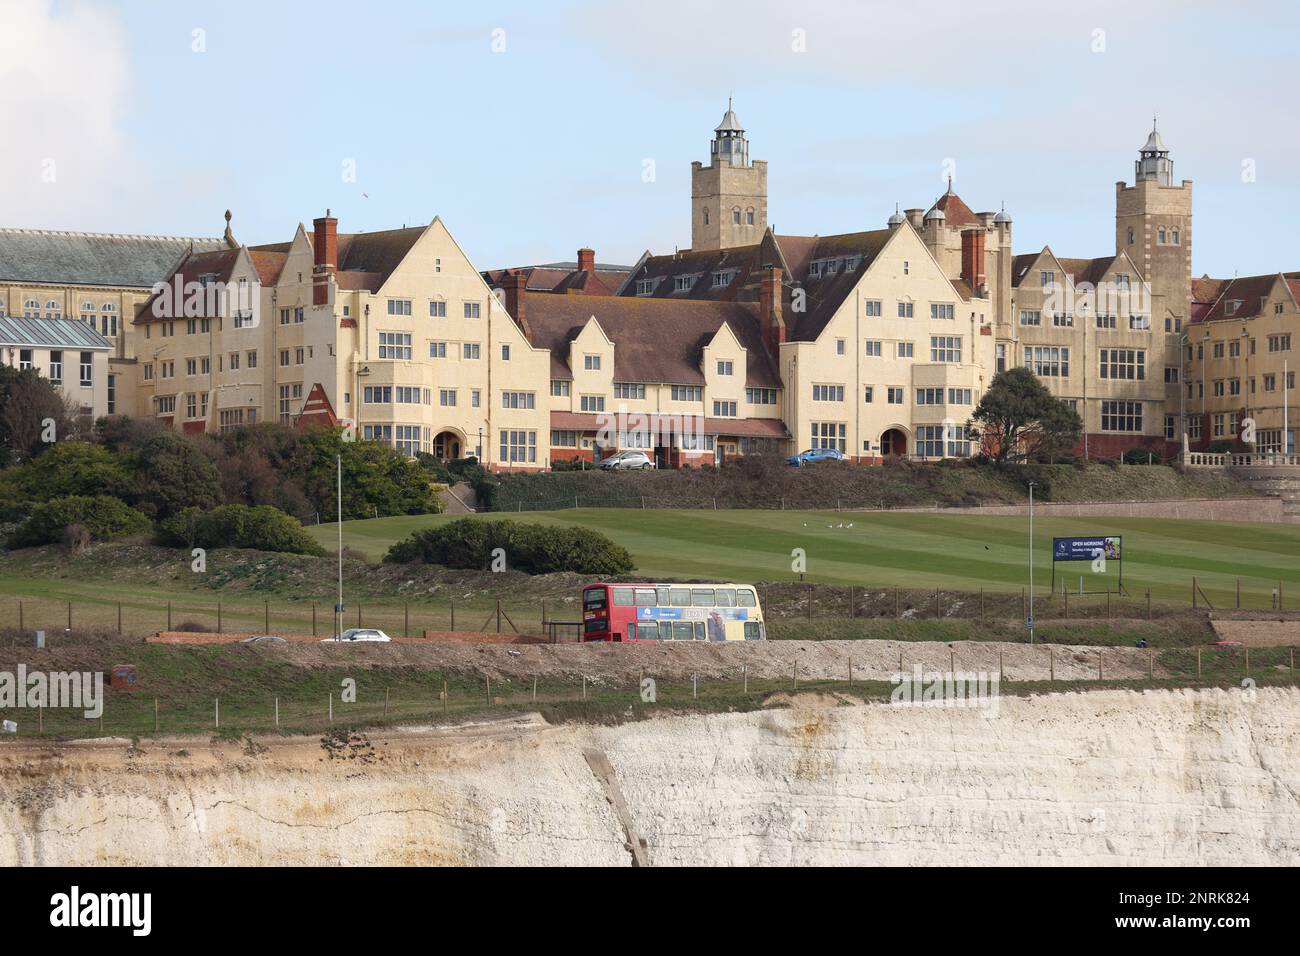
(1114, 777)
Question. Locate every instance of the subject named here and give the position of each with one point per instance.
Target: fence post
(386, 701)
(744, 674)
(216, 711)
(70, 614)
(584, 686)
(444, 696)
(1198, 662)
(1051, 663)
(20, 616)
(313, 619)
(695, 686)
(406, 623)
(331, 707)
(1247, 660)
(1065, 597)
(218, 617)
(155, 716)
(119, 619)
(1193, 592)
(1238, 593)
(534, 688)
(453, 613)
(1099, 664)
(499, 617)
(277, 713)
(169, 615)
(796, 675)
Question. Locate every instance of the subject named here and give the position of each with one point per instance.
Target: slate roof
(50, 333)
(92, 259)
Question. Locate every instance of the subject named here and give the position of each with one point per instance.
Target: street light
(1030, 621)
(338, 608)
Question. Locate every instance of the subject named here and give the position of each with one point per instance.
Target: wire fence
(322, 704)
(789, 609)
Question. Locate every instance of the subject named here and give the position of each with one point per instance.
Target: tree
(172, 474)
(377, 478)
(31, 411)
(71, 468)
(1019, 419)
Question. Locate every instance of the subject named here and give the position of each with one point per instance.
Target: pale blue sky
(531, 152)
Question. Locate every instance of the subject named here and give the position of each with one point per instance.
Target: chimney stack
(326, 252)
(770, 309)
(586, 260)
(516, 289)
(972, 260)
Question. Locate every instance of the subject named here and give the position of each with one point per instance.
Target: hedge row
(475, 543)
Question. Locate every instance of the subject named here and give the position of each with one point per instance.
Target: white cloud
(64, 80)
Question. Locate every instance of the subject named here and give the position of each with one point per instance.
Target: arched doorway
(893, 442)
(447, 446)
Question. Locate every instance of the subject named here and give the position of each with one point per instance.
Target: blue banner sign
(1086, 549)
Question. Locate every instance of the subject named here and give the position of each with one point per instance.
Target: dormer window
(684, 283)
(723, 278)
(646, 286)
(1232, 305)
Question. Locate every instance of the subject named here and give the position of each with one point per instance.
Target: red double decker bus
(671, 612)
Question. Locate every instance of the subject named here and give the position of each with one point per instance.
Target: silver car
(358, 634)
(637, 460)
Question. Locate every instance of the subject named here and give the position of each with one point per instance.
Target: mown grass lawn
(957, 552)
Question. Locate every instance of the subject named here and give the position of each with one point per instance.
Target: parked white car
(628, 459)
(357, 634)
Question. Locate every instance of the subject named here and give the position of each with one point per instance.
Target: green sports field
(957, 552)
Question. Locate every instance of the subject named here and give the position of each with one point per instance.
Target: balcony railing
(1204, 459)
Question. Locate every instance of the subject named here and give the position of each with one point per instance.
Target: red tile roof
(955, 212)
(655, 341)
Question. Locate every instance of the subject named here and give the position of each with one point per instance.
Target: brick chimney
(972, 260)
(516, 289)
(770, 308)
(586, 260)
(326, 250)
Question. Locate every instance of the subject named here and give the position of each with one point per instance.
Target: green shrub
(102, 516)
(1141, 456)
(261, 528)
(534, 549)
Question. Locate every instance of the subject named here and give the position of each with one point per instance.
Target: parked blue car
(815, 454)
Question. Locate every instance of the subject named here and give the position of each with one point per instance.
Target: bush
(1141, 456)
(102, 517)
(172, 475)
(534, 549)
(261, 528)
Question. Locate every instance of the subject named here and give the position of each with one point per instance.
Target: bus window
(645, 597)
(725, 597)
(699, 630)
(751, 631)
(680, 597)
(622, 597)
(647, 631)
(745, 598)
(702, 597)
(661, 597)
(683, 631)
(593, 598)
(631, 632)
(665, 630)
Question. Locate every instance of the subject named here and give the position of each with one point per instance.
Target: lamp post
(1030, 620)
(338, 608)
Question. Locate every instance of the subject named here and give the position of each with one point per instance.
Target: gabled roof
(1077, 271)
(50, 333)
(220, 265)
(564, 277)
(655, 341)
(1249, 292)
(793, 255)
(367, 259)
(92, 259)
